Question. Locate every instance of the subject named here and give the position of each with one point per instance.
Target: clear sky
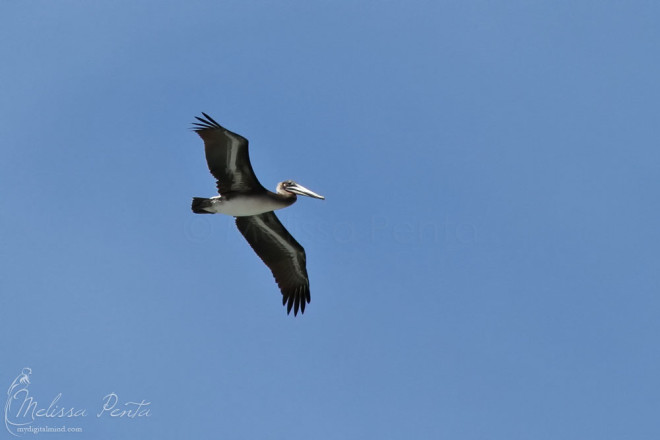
(485, 264)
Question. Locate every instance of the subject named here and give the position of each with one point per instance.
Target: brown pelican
(242, 196)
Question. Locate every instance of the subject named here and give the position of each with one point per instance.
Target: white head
(291, 188)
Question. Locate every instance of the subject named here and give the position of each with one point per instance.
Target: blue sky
(484, 266)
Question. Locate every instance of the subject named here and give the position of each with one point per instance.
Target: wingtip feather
(210, 119)
(296, 300)
(205, 124)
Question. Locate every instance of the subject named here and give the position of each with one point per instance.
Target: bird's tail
(199, 205)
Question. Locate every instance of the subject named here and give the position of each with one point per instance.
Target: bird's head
(289, 187)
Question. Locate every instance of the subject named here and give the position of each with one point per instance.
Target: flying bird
(242, 196)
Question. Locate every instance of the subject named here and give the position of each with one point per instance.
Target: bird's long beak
(299, 189)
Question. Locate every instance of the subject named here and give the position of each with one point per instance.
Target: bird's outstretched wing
(282, 254)
(227, 157)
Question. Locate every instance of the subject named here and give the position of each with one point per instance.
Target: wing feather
(282, 254)
(227, 157)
